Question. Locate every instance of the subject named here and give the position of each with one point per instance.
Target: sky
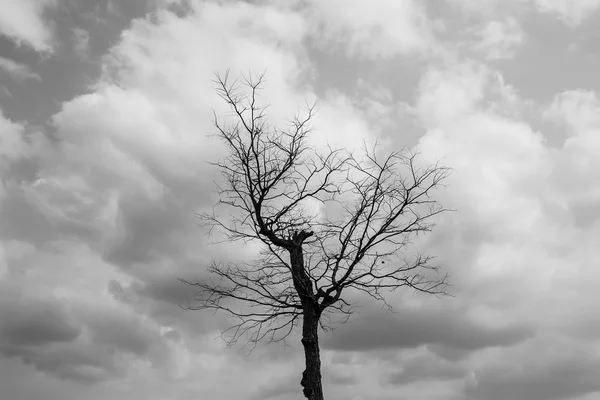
(106, 117)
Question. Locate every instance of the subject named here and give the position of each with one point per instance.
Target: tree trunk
(311, 377)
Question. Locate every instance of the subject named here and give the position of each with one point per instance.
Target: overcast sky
(106, 107)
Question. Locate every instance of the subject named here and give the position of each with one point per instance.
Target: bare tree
(374, 206)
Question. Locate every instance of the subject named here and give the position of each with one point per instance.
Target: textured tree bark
(311, 377)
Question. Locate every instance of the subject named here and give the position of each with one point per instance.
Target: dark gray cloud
(74, 341)
(148, 231)
(120, 332)
(165, 298)
(20, 220)
(77, 362)
(35, 322)
(44, 334)
(166, 288)
(376, 329)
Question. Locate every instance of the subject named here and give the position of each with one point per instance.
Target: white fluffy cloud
(24, 22)
(530, 212)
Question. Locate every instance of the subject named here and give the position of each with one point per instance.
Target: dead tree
(371, 207)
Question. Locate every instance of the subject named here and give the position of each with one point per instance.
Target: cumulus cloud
(545, 186)
(23, 21)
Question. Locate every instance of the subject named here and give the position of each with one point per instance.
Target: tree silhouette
(372, 207)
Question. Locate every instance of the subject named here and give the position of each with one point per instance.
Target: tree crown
(370, 208)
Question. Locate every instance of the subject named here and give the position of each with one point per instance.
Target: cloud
(97, 211)
(23, 21)
(116, 196)
(425, 368)
(541, 369)
(381, 29)
(164, 298)
(123, 189)
(81, 341)
(79, 363)
(501, 153)
(578, 112)
(81, 40)
(285, 382)
(18, 147)
(59, 326)
(376, 330)
(15, 144)
(499, 39)
(45, 333)
(522, 186)
(19, 72)
(572, 13)
(4, 92)
(339, 378)
(121, 331)
(278, 388)
(577, 109)
(34, 322)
